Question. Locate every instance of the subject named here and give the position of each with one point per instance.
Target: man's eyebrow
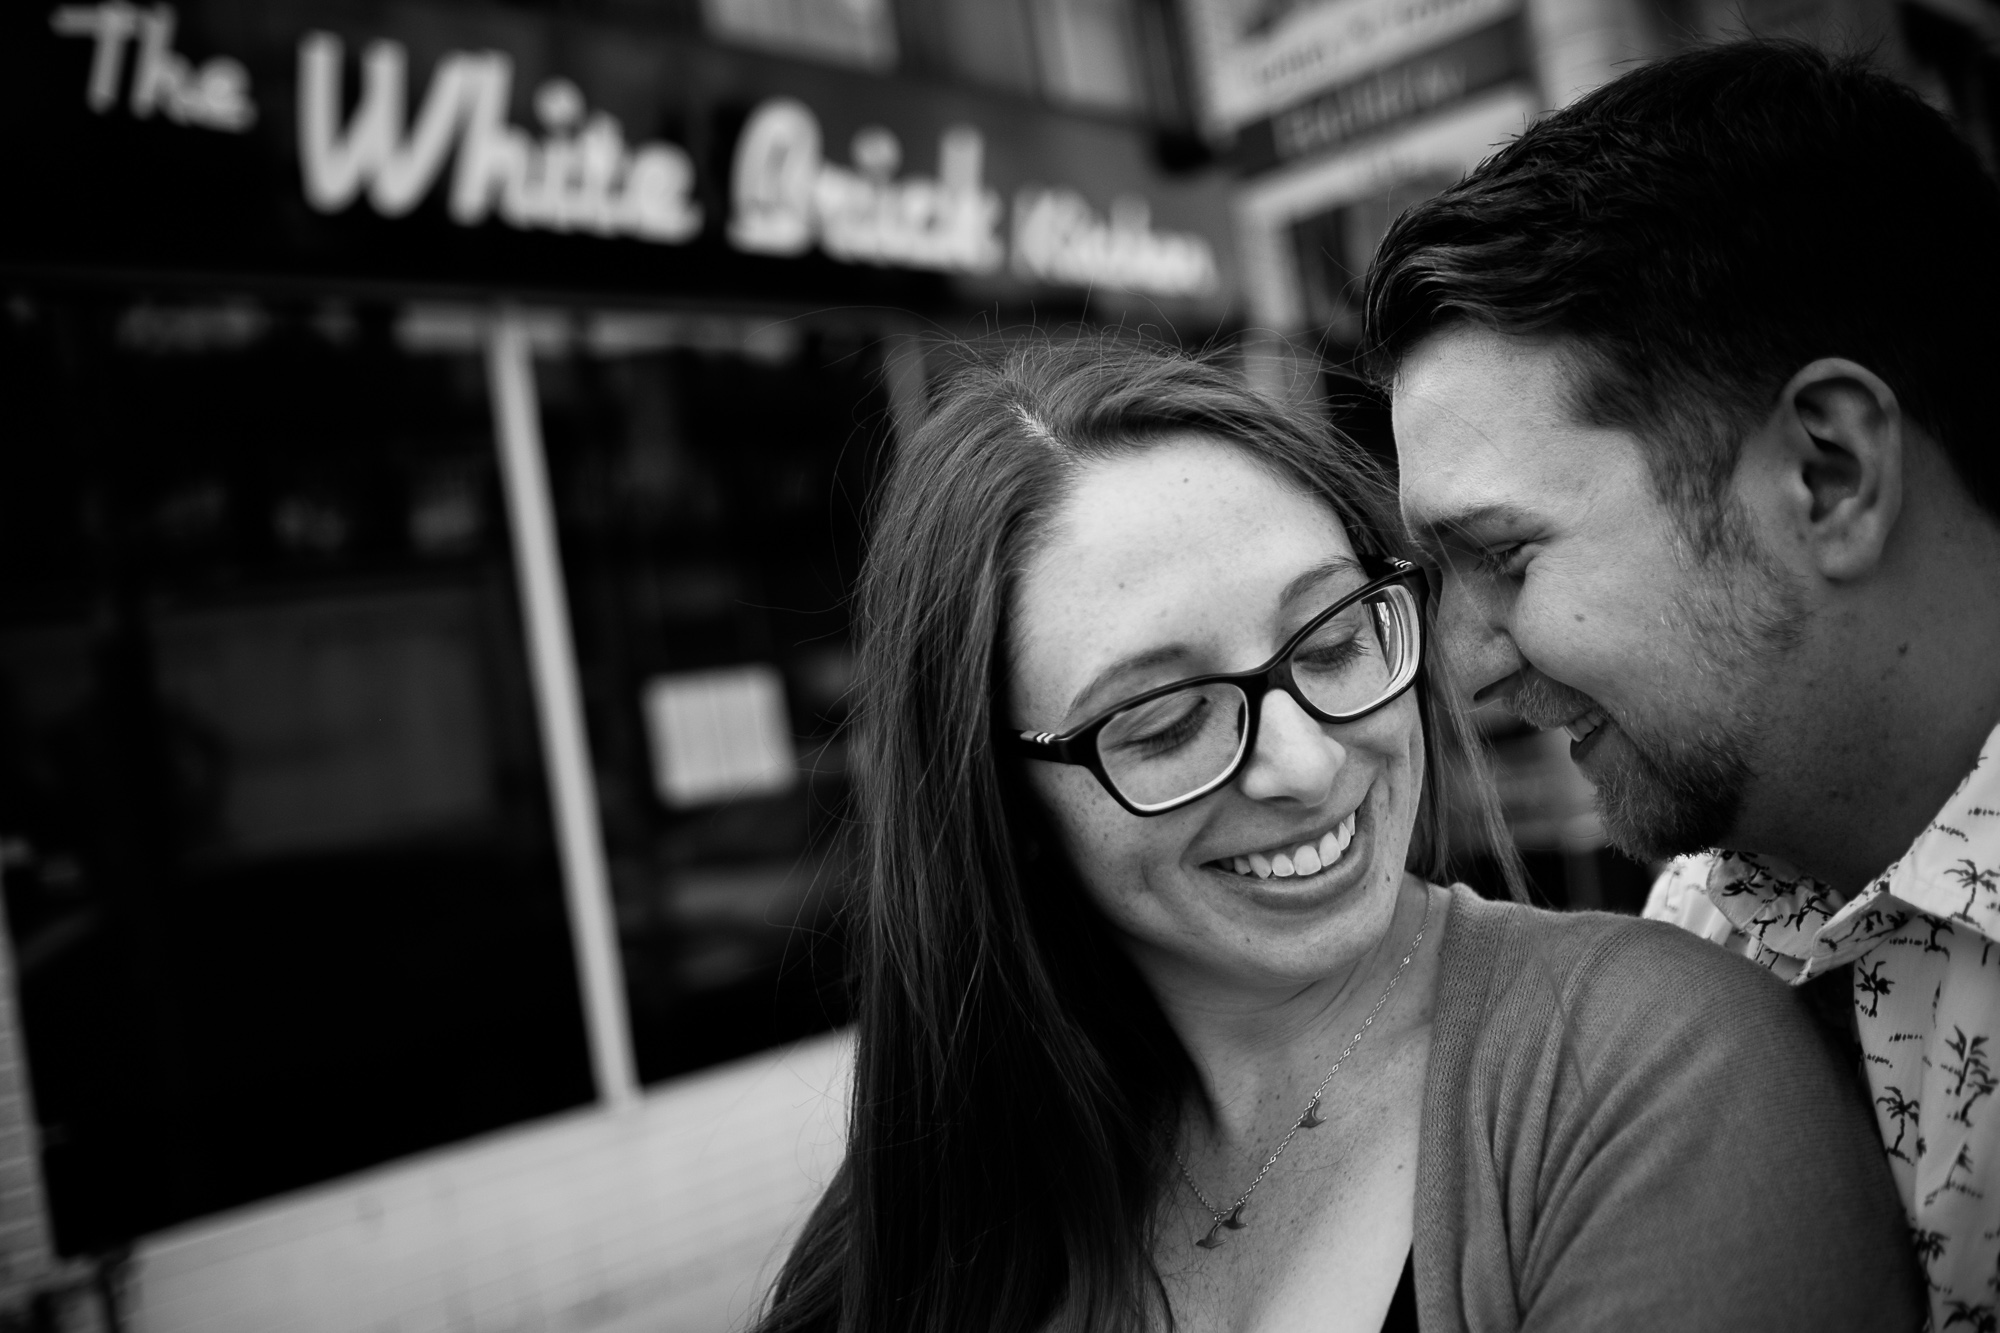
(1134, 662)
(1433, 533)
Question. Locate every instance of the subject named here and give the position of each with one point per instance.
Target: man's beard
(1669, 791)
(1662, 795)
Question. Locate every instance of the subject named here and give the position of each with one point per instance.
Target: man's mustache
(1544, 704)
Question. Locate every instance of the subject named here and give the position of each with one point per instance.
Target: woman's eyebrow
(1317, 575)
(1149, 657)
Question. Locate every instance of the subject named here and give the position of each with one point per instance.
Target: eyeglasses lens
(1167, 748)
(1161, 750)
(1360, 655)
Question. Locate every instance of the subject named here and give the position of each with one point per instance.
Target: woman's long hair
(1016, 1086)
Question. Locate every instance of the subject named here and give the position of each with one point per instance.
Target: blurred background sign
(1261, 57)
(1379, 100)
(552, 149)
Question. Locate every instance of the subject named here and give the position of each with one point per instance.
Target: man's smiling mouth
(1582, 727)
(1300, 858)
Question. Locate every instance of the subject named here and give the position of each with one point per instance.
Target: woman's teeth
(1308, 858)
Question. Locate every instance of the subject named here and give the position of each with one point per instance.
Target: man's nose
(1295, 759)
(1475, 651)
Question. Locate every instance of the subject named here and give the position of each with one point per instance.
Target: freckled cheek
(1394, 746)
(1094, 830)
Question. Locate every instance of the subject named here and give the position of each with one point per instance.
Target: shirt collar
(1952, 872)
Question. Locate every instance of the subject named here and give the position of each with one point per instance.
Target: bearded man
(1694, 396)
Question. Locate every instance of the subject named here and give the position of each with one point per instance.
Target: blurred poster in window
(1256, 57)
(719, 735)
(858, 33)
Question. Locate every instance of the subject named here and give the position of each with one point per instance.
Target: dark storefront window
(279, 860)
(1333, 250)
(709, 485)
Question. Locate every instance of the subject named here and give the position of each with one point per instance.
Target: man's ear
(1838, 444)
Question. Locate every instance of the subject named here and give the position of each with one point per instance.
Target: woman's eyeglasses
(1167, 747)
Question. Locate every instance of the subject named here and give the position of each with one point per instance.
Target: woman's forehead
(1189, 547)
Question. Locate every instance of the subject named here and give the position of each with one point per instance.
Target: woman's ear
(1831, 459)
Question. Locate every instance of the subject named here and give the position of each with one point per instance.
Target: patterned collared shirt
(1924, 941)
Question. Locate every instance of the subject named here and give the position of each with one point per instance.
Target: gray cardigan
(1625, 1128)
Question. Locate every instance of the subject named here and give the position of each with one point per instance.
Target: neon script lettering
(1059, 237)
(213, 96)
(788, 197)
(579, 177)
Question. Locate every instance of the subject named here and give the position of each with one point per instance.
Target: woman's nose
(1295, 758)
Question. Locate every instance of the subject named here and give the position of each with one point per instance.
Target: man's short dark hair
(1701, 229)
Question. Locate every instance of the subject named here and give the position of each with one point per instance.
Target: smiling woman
(1162, 1020)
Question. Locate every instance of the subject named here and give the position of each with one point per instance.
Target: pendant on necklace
(1311, 1119)
(1234, 1222)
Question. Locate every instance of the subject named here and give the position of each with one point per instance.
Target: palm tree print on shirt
(1979, 1318)
(1955, 1178)
(1970, 1072)
(1869, 981)
(1903, 1111)
(1975, 880)
(1937, 927)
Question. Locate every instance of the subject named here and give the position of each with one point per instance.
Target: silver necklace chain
(1231, 1218)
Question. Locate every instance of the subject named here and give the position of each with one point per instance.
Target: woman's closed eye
(1331, 656)
(1161, 726)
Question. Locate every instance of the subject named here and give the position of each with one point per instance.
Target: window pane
(285, 893)
(1089, 55)
(708, 495)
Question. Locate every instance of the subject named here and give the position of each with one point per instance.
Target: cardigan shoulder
(1622, 1124)
(1609, 988)
(1575, 957)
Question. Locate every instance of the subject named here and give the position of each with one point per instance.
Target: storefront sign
(579, 176)
(1059, 238)
(1389, 97)
(788, 197)
(490, 132)
(1252, 67)
(215, 96)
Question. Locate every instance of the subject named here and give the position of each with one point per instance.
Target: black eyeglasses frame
(1079, 746)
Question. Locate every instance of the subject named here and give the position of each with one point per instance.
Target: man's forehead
(1486, 429)
(1464, 387)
